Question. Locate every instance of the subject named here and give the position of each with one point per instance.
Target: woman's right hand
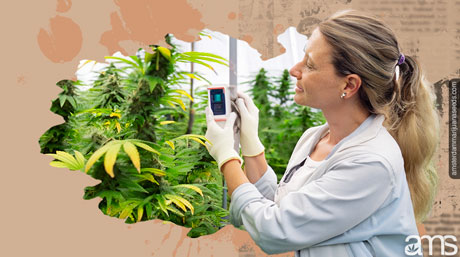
(249, 139)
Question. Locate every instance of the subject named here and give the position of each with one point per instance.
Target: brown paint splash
(63, 42)
(21, 80)
(63, 5)
(247, 38)
(180, 242)
(278, 29)
(232, 16)
(169, 239)
(147, 22)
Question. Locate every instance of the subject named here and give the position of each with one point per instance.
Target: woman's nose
(295, 72)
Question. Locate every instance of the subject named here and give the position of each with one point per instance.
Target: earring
(343, 95)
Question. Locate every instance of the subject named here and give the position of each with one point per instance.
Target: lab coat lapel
(366, 131)
(305, 145)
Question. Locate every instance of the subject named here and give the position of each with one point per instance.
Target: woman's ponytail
(413, 121)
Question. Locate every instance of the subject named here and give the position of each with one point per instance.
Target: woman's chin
(299, 99)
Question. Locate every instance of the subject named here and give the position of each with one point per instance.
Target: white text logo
(415, 248)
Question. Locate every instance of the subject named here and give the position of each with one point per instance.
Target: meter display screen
(217, 101)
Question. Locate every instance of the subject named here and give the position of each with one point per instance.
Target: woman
(356, 185)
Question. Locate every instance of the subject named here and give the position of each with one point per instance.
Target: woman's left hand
(222, 140)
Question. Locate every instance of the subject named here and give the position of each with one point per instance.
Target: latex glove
(221, 138)
(249, 139)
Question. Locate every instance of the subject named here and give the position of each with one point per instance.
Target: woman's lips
(298, 89)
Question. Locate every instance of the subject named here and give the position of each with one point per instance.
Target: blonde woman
(357, 185)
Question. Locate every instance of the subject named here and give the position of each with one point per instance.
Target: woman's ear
(352, 84)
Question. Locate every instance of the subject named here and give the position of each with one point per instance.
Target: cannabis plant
(65, 105)
(128, 132)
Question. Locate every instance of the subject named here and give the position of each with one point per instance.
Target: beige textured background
(42, 210)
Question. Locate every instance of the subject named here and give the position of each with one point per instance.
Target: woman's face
(317, 85)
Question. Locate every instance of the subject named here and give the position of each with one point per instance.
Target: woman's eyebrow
(308, 56)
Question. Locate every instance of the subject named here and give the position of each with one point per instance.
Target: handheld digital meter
(219, 102)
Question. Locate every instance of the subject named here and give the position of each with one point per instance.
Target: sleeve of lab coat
(342, 198)
(267, 184)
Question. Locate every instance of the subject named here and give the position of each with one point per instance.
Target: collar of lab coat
(368, 130)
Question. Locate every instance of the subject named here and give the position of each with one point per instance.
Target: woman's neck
(341, 126)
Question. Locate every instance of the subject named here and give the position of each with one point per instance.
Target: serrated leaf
(180, 202)
(118, 126)
(67, 159)
(195, 138)
(178, 101)
(146, 147)
(133, 154)
(165, 52)
(140, 212)
(189, 59)
(203, 78)
(171, 144)
(200, 54)
(96, 155)
(148, 210)
(130, 185)
(110, 158)
(80, 158)
(72, 102)
(60, 158)
(182, 92)
(109, 194)
(195, 188)
(199, 141)
(170, 103)
(114, 114)
(203, 58)
(62, 99)
(126, 211)
(192, 76)
(123, 60)
(58, 164)
(154, 82)
(176, 201)
(174, 210)
(150, 178)
(162, 204)
(166, 122)
(148, 57)
(156, 172)
(192, 135)
(138, 62)
(187, 203)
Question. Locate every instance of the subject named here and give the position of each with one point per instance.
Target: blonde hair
(364, 45)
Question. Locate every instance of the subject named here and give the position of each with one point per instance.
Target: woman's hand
(222, 140)
(249, 139)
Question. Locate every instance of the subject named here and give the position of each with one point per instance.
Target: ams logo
(415, 248)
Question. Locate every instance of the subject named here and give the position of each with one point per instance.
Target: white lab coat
(355, 204)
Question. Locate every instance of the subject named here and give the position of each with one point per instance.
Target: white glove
(221, 138)
(249, 139)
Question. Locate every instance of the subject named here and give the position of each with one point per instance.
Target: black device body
(217, 98)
